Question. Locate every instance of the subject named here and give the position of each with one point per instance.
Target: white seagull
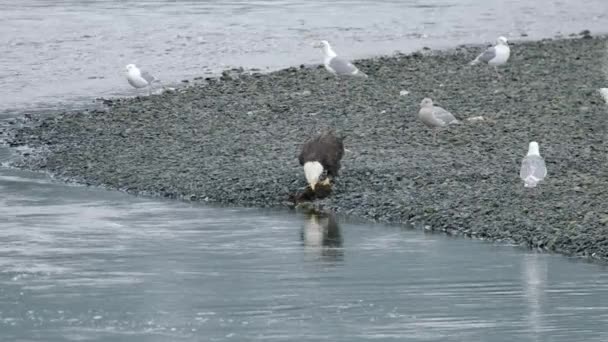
(435, 117)
(604, 93)
(495, 55)
(336, 65)
(533, 169)
(140, 78)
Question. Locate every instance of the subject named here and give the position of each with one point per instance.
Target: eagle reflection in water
(321, 237)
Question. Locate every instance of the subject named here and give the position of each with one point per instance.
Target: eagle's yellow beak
(312, 185)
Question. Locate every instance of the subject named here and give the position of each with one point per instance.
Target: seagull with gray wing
(336, 65)
(533, 169)
(140, 78)
(495, 55)
(435, 117)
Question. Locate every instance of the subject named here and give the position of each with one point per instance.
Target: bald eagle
(322, 153)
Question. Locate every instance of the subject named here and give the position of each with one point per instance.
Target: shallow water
(80, 264)
(60, 54)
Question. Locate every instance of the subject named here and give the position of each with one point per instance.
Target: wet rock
(236, 141)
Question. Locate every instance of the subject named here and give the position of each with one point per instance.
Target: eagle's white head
(313, 171)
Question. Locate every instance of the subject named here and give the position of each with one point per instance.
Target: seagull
(435, 117)
(139, 78)
(495, 55)
(336, 65)
(533, 169)
(604, 93)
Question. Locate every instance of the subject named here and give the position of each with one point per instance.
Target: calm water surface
(80, 264)
(60, 54)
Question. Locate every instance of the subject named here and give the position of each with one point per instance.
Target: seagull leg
(344, 90)
(434, 136)
(497, 73)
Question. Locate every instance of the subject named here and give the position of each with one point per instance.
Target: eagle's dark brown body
(326, 149)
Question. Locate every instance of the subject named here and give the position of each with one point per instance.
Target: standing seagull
(533, 169)
(140, 78)
(495, 55)
(336, 65)
(435, 117)
(604, 93)
(320, 153)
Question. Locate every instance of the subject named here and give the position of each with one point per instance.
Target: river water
(63, 53)
(82, 264)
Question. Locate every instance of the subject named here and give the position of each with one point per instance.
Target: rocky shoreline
(235, 140)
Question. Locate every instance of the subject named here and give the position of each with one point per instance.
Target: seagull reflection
(535, 279)
(321, 237)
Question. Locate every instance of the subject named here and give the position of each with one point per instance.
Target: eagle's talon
(326, 181)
